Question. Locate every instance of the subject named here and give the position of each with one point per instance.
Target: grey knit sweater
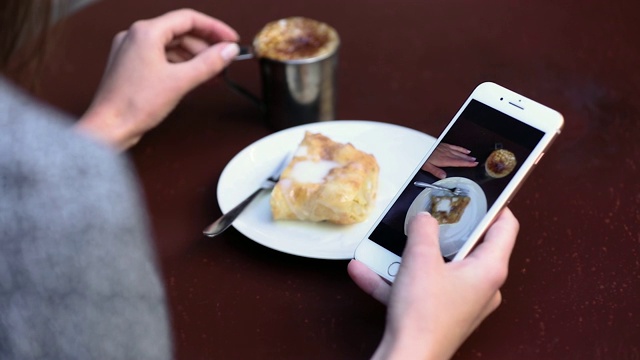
(77, 273)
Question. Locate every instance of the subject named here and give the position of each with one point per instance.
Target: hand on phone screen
(434, 305)
(447, 155)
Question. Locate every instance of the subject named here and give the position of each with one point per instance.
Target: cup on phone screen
(298, 60)
(500, 163)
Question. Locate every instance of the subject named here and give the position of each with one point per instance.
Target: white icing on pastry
(312, 171)
(444, 205)
(326, 181)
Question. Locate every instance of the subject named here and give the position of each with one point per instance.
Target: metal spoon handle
(455, 191)
(432, 186)
(225, 220)
(246, 52)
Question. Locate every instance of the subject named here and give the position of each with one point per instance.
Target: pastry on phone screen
(448, 209)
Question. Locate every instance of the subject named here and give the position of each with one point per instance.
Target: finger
(492, 255)
(434, 170)
(115, 46)
(191, 44)
(458, 148)
(178, 55)
(186, 21)
(499, 240)
(422, 240)
(209, 62)
(457, 154)
(462, 162)
(462, 156)
(185, 47)
(370, 282)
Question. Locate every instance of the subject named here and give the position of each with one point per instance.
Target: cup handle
(246, 52)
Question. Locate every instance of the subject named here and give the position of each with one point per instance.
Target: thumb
(422, 240)
(369, 281)
(211, 62)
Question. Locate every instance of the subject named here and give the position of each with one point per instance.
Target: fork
(225, 220)
(455, 191)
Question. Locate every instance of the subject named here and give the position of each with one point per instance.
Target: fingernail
(229, 51)
(425, 213)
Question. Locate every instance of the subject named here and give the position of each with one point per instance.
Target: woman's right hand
(433, 305)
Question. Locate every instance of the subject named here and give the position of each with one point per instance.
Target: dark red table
(574, 287)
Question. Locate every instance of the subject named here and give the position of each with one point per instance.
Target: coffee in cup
(298, 60)
(500, 163)
(296, 38)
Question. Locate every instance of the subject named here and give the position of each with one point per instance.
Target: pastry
(326, 181)
(448, 209)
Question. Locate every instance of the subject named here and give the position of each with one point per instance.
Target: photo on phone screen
(499, 144)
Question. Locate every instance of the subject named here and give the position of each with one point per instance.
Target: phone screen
(499, 144)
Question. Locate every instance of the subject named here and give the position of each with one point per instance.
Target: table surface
(574, 285)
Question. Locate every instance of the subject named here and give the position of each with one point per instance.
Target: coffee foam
(500, 163)
(295, 38)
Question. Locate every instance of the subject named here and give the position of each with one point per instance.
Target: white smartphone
(486, 151)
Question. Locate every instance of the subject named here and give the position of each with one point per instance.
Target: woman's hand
(434, 306)
(151, 67)
(448, 155)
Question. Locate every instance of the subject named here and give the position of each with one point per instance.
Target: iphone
(472, 171)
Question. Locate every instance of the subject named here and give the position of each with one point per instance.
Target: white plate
(398, 150)
(453, 236)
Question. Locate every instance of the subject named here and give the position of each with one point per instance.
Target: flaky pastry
(448, 209)
(326, 181)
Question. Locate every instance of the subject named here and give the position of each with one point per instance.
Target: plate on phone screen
(397, 149)
(452, 236)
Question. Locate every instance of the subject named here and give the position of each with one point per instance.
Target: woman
(78, 278)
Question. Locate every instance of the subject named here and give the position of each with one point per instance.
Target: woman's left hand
(151, 67)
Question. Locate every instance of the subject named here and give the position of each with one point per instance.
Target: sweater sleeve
(78, 276)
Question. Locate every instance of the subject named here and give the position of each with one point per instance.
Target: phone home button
(393, 269)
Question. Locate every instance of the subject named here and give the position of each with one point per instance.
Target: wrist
(108, 127)
(399, 347)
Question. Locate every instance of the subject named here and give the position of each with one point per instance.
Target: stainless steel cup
(295, 91)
